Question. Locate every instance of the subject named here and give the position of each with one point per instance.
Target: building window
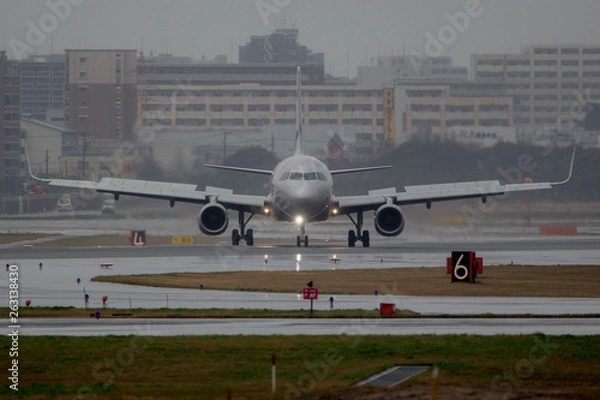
(82, 60)
(83, 75)
(518, 62)
(570, 51)
(545, 62)
(546, 74)
(541, 50)
(12, 116)
(569, 63)
(592, 51)
(570, 85)
(12, 147)
(570, 74)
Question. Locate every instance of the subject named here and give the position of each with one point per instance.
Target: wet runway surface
(55, 284)
(211, 326)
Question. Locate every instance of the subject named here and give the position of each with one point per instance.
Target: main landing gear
(359, 234)
(247, 235)
(302, 238)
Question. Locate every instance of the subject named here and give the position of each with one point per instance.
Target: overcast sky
(354, 30)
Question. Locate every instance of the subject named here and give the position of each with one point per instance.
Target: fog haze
(349, 32)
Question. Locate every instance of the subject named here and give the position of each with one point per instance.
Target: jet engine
(389, 220)
(213, 219)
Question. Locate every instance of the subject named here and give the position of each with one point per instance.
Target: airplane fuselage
(301, 190)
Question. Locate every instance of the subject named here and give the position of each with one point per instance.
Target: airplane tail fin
(298, 149)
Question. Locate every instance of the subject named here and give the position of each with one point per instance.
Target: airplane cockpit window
(307, 176)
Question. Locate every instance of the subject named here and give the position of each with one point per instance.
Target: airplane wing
(174, 192)
(352, 170)
(440, 192)
(240, 169)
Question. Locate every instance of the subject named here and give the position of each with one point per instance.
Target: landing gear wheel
(298, 241)
(249, 237)
(366, 239)
(235, 237)
(351, 238)
(305, 241)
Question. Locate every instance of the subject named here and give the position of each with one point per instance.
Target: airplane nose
(306, 202)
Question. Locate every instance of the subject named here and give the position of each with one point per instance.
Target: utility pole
(83, 155)
(225, 145)
(47, 160)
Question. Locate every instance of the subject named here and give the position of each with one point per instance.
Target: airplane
(301, 191)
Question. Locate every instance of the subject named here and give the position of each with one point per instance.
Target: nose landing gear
(302, 238)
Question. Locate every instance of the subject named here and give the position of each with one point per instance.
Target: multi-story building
(42, 86)
(101, 93)
(250, 106)
(10, 122)
(437, 111)
(281, 46)
(154, 72)
(549, 84)
(444, 118)
(389, 69)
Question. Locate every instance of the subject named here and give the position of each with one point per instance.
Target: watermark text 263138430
(13, 327)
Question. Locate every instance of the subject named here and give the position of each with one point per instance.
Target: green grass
(496, 281)
(6, 238)
(207, 367)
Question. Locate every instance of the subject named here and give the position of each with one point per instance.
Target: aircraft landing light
(299, 219)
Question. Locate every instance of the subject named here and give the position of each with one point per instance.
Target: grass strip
(574, 281)
(208, 367)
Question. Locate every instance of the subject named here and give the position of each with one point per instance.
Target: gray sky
(343, 29)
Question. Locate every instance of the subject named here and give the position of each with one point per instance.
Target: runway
(212, 326)
(55, 284)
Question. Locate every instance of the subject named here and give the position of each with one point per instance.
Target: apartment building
(445, 118)
(101, 93)
(549, 84)
(250, 106)
(389, 69)
(164, 71)
(42, 86)
(10, 122)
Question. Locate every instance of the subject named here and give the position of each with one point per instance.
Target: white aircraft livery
(301, 191)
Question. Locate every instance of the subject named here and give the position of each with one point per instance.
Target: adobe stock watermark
(526, 163)
(266, 8)
(110, 368)
(524, 369)
(349, 336)
(458, 23)
(38, 31)
(512, 175)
